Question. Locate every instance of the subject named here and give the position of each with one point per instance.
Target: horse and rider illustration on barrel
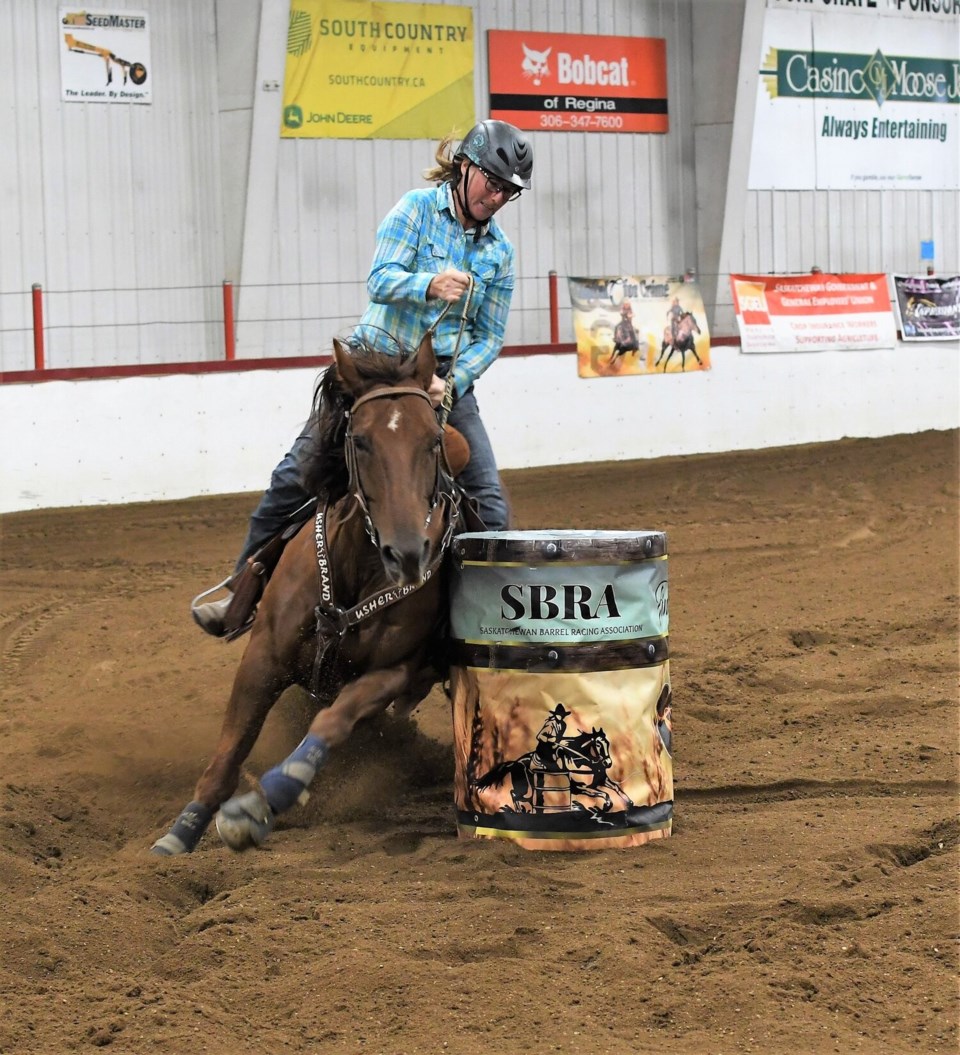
(561, 688)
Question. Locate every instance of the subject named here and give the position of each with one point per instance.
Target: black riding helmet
(500, 149)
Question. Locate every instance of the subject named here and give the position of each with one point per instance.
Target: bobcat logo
(535, 63)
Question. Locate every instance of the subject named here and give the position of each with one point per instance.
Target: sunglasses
(496, 186)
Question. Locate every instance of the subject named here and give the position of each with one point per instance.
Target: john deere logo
(292, 116)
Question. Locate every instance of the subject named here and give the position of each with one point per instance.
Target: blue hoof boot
(245, 821)
(186, 832)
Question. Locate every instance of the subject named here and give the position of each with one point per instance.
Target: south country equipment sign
(564, 82)
(360, 70)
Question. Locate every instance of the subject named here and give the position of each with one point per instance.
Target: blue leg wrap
(186, 832)
(287, 783)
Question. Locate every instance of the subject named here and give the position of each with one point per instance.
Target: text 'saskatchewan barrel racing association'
(561, 688)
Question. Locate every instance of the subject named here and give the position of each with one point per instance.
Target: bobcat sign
(564, 82)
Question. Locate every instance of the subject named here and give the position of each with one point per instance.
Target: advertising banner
(928, 307)
(104, 56)
(846, 103)
(564, 82)
(359, 70)
(630, 325)
(812, 313)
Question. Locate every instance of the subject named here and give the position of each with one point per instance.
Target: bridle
(332, 620)
(444, 491)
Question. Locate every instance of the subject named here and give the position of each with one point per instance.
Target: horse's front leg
(256, 687)
(248, 819)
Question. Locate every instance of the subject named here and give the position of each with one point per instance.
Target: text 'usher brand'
(571, 600)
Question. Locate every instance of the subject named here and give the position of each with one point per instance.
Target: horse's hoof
(245, 821)
(168, 846)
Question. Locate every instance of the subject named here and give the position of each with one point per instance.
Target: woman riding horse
(434, 245)
(356, 607)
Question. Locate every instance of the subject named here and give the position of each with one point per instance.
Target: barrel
(560, 683)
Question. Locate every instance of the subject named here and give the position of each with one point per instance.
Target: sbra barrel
(561, 688)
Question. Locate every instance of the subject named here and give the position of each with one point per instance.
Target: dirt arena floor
(807, 901)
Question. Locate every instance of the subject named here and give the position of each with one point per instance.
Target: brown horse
(354, 611)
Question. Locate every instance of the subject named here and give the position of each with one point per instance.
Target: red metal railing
(229, 322)
(37, 326)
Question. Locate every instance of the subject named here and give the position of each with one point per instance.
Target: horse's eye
(362, 444)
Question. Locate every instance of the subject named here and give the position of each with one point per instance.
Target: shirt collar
(445, 201)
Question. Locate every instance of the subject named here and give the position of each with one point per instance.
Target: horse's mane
(325, 467)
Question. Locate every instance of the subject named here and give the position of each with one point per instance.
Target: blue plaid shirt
(420, 237)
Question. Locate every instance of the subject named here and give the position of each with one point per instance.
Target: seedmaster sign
(377, 70)
(104, 56)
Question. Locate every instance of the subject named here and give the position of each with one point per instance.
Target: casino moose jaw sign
(849, 101)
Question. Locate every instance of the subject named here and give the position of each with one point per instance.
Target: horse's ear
(346, 368)
(426, 361)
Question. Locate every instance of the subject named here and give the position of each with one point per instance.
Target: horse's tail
(494, 777)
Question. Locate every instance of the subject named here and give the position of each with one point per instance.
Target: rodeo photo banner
(104, 56)
(847, 102)
(813, 313)
(564, 82)
(377, 71)
(630, 325)
(928, 307)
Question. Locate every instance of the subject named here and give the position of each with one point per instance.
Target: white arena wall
(69, 443)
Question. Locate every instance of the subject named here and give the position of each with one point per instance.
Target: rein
(447, 402)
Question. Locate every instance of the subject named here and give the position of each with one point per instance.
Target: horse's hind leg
(250, 701)
(246, 820)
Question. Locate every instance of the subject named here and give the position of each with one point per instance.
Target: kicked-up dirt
(807, 901)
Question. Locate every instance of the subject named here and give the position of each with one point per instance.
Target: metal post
(229, 336)
(38, 363)
(554, 309)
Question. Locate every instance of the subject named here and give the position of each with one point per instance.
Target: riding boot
(210, 615)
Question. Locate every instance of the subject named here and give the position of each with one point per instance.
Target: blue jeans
(480, 480)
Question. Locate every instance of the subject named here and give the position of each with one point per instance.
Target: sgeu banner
(928, 307)
(812, 313)
(565, 82)
(360, 70)
(630, 325)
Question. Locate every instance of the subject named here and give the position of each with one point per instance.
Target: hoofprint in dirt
(807, 901)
